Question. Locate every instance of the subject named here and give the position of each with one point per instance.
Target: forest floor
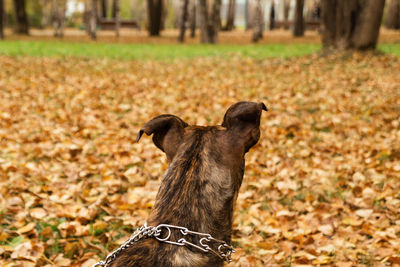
(321, 188)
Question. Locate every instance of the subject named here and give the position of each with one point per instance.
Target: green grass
(393, 49)
(151, 51)
(161, 51)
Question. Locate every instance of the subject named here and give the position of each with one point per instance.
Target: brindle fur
(200, 186)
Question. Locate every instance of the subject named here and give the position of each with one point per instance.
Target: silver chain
(223, 251)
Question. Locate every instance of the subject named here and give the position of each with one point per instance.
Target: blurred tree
(258, 22)
(246, 15)
(286, 9)
(272, 16)
(393, 15)
(86, 16)
(230, 16)
(117, 17)
(2, 19)
(47, 11)
(183, 20)
(59, 8)
(164, 14)
(298, 23)
(93, 19)
(209, 23)
(351, 24)
(154, 11)
(34, 10)
(114, 10)
(103, 6)
(192, 17)
(21, 18)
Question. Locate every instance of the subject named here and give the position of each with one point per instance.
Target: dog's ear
(167, 133)
(242, 121)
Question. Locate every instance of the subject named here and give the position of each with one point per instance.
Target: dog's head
(227, 143)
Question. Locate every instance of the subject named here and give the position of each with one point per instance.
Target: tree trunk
(258, 22)
(184, 18)
(192, 18)
(86, 15)
(246, 15)
(298, 23)
(93, 20)
(21, 21)
(230, 16)
(59, 8)
(210, 24)
(351, 24)
(114, 9)
(215, 23)
(1, 19)
(154, 11)
(117, 18)
(393, 15)
(164, 13)
(286, 9)
(203, 21)
(272, 17)
(103, 4)
(47, 13)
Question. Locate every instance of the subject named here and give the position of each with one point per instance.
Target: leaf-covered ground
(320, 188)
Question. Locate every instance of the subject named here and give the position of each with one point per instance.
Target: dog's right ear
(167, 133)
(243, 122)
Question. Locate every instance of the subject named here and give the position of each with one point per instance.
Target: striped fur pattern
(200, 186)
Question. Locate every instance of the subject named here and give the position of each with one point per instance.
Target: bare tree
(86, 15)
(21, 21)
(93, 19)
(286, 9)
(272, 16)
(351, 24)
(59, 8)
(298, 23)
(183, 21)
(2, 19)
(164, 14)
(246, 15)
(230, 16)
(258, 21)
(210, 23)
(154, 16)
(47, 14)
(103, 5)
(192, 17)
(117, 17)
(393, 15)
(114, 9)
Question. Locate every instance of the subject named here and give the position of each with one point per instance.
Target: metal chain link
(223, 251)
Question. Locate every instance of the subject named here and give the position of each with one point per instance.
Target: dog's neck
(198, 193)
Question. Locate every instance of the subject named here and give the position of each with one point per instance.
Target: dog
(198, 190)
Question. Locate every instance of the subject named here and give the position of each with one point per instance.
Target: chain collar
(223, 250)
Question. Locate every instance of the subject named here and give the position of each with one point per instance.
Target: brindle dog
(200, 186)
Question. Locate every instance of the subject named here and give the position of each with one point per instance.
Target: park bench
(310, 24)
(109, 24)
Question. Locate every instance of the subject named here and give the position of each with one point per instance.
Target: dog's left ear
(242, 120)
(167, 133)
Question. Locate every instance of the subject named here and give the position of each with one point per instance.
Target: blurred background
(78, 79)
(204, 21)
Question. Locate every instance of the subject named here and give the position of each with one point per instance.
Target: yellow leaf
(27, 228)
(352, 221)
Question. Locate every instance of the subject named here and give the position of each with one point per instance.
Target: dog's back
(200, 186)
